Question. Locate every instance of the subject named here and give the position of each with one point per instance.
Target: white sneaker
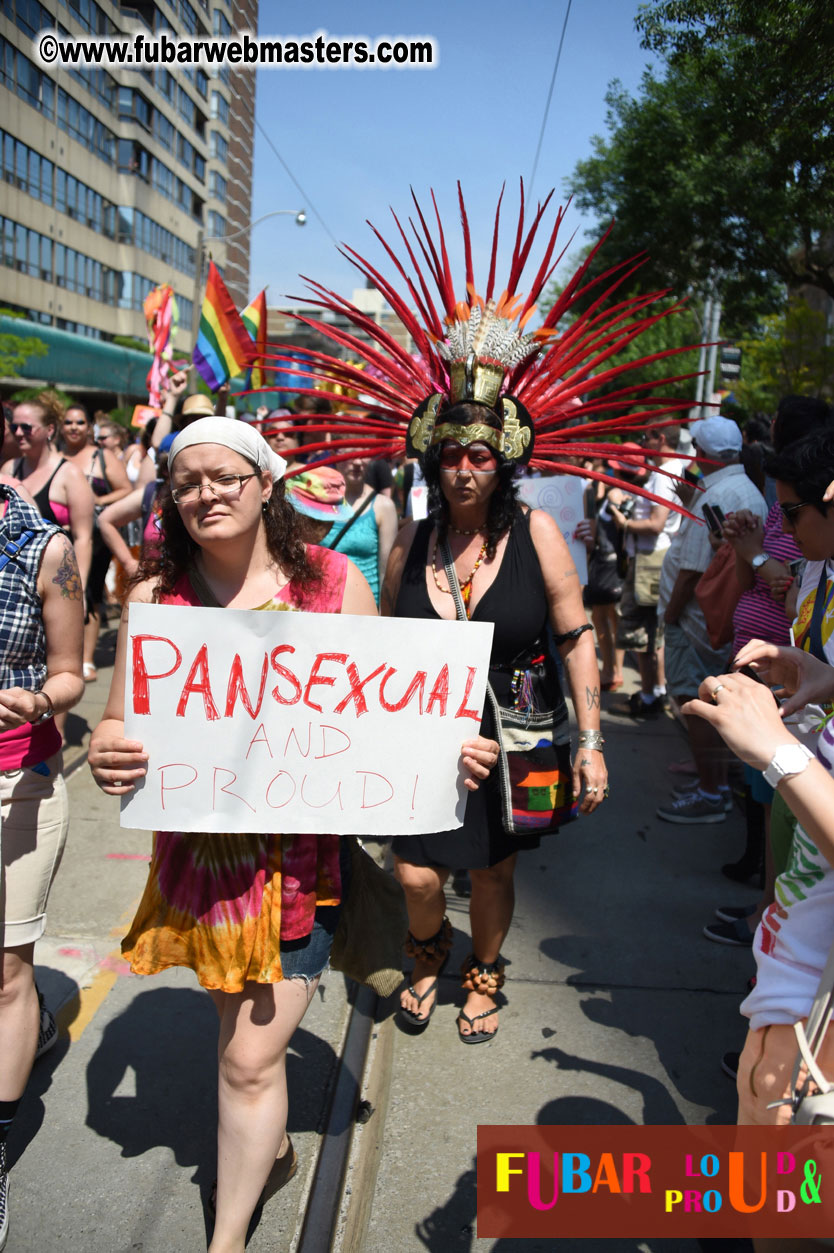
(4, 1197)
(47, 1034)
(691, 809)
(688, 790)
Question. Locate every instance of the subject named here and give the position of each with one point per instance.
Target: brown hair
(283, 541)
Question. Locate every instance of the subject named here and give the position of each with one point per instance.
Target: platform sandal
(487, 978)
(436, 946)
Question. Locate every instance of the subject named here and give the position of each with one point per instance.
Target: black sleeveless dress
(516, 603)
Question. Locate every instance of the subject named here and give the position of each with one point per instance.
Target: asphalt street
(617, 1010)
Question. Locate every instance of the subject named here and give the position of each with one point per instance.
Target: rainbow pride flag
(254, 319)
(224, 347)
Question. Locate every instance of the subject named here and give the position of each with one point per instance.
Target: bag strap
(204, 593)
(13, 548)
(460, 610)
(369, 500)
(815, 629)
(811, 1036)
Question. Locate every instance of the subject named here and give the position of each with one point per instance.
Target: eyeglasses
(24, 428)
(225, 485)
(789, 512)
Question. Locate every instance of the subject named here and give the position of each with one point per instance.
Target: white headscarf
(240, 437)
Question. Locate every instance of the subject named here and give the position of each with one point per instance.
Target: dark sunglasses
(789, 512)
(25, 428)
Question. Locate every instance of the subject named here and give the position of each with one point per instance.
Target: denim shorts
(308, 957)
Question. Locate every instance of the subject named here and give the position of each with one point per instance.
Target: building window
(218, 147)
(220, 107)
(217, 185)
(215, 225)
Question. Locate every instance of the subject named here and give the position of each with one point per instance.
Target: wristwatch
(759, 560)
(789, 759)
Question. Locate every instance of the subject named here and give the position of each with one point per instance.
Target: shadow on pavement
(679, 1043)
(452, 1226)
(58, 990)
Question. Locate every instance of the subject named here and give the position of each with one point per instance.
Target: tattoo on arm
(67, 576)
(592, 698)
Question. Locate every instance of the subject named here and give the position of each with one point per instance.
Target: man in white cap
(690, 656)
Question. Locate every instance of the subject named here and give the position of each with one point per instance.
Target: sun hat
(319, 493)
(198, 406)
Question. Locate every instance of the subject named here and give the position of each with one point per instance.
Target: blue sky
(357, 139)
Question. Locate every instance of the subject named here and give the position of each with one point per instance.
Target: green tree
(722, 168)
(15, 350)
(788, 354)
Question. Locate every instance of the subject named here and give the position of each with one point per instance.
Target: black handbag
(534, 766)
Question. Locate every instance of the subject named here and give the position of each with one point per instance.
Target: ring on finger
(718, 687)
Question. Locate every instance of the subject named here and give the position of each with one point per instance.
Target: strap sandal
(485, 978)
(476, 1037)
(283, 1169)
(409, 1019)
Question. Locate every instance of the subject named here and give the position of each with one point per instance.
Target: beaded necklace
(465, 584)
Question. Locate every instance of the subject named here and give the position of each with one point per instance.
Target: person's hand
(798, 676)
(478, 756)
(780, 586)
(17, 707)
(116, 763)
(617, 514)
(589, 772)
(177, 383)
(586, 531)
(744, 714)
(616, 496)
(748, 541)
(261, 412)
(737, 523)
(715, 541)
(221, 397)
(828, 494)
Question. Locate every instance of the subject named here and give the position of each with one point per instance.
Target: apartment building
(113, 179)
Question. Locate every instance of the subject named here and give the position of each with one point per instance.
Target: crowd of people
(204, 510)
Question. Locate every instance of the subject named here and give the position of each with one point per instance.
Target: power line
(549, 98)
(308, 202)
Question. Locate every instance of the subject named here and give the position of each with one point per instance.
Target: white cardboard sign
(560, 495)
(298, 722)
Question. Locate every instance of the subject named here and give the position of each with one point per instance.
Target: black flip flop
(477, 1037)
(409, 1019)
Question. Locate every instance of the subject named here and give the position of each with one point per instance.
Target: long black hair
(502, 502)
(283, 541)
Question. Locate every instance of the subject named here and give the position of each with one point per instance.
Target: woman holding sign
(470, 398)
(252, 915)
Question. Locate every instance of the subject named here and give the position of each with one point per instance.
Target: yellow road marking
(79, 1011)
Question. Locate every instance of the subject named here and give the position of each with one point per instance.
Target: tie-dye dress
(222, 904)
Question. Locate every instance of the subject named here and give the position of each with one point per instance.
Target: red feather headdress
(553, 379)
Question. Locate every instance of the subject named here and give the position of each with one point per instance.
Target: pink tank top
(309, 863)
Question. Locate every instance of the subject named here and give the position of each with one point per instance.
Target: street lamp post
(202, 243)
